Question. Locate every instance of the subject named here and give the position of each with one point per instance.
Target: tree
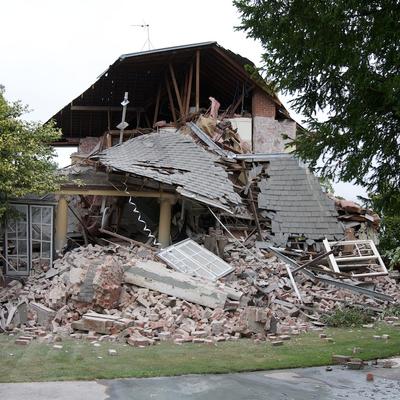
(26, 158)
(339, 59)
(389, 238)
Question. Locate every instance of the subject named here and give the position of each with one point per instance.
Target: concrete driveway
(296, 384)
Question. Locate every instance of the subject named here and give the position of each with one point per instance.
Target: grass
(80, 360)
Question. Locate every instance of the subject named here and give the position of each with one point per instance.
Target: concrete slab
(52, 390)
(295, 384)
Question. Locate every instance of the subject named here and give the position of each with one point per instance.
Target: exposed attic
(164, 84)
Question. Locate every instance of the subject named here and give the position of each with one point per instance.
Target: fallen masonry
(119, 293)
(155, 276)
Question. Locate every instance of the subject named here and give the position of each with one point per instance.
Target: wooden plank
(376, 252)
(331, 257)
(312, 262)
(184, 91)
(157, 104)
(129, 240)
(189, 90)
(146, 118)
(197, 80)
(295, 288)
(105, 108)
(170, 99)
(177, 94)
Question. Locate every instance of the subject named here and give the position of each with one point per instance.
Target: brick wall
(268, 131)
(262, 105)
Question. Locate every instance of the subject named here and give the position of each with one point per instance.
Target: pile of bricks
(85, 295)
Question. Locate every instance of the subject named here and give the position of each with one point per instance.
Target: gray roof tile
(175, 159)
(296, 197)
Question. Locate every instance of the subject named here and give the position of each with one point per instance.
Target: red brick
(262, 104)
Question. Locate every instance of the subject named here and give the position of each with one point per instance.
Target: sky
(53, 50)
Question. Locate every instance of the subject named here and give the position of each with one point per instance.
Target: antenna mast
(148, 41)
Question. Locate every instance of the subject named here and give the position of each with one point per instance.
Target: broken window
(191, 258)
(41, 228)
(360, 258)
(17, 238)
(29, 239)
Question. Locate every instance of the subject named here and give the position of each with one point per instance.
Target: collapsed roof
(174, 159)
(293, 199)
(287, 193)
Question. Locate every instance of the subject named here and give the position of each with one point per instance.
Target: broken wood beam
(197, 80)
(312, 262)
(157, 104)
(105, 108)
(170, 99)
(126, 239)
(189, 90)
(177, 94)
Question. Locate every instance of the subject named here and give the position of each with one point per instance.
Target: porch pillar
(61, 225)
(164, 226)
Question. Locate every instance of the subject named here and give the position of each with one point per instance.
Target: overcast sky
(52, 50)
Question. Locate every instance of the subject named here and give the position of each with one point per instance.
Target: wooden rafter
(197, 80)
(170, 98)
(177, 94)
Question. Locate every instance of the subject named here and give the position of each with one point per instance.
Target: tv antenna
(148, 41)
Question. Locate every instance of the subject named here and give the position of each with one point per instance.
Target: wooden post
(189, 90)
(184, 92)
(164, 227)
(146, 118)
(108, 141)
(178, 96)
(157, 105)
(61, 225)
(171, 100)
(197, 80)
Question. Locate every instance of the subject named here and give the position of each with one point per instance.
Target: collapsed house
(194, 154)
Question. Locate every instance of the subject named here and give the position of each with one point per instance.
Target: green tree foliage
(388, 207)
(339, 59)
(26, 159)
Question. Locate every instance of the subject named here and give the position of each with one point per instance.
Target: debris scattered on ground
(116, 293)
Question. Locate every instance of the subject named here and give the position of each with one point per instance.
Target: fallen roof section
(294, 201)
(174, 159)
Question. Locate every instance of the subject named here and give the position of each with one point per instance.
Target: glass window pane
(22, 247)
(46, 215)
(21, 229)
(22, 264)
(46, 249)
(36, 214)
(12, 247)
(35, 232)
(46, 232)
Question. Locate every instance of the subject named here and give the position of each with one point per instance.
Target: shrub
(348, 317)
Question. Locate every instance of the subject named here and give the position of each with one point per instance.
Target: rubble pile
(271, 289)
(110, 291)
(359, 222)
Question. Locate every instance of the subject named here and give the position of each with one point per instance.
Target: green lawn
(80, 359)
